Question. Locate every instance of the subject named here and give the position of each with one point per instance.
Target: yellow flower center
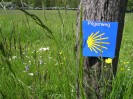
(108, 61)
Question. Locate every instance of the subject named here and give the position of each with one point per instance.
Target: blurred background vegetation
(45, 3)
(54, 3)
(130, 5)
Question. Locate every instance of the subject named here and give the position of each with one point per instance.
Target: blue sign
(99, 38)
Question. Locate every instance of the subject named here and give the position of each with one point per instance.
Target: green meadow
(40, 63)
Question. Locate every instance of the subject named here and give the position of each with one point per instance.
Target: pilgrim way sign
(99, 38)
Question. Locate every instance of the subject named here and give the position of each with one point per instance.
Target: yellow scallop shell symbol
(96, 43)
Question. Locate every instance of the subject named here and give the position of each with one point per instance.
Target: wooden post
(93, 74)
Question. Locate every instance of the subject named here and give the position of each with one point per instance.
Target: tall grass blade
(39, 22)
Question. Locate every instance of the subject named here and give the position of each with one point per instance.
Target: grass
(33, 66)
(123, 83)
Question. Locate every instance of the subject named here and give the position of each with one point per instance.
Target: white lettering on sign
(99, 24)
